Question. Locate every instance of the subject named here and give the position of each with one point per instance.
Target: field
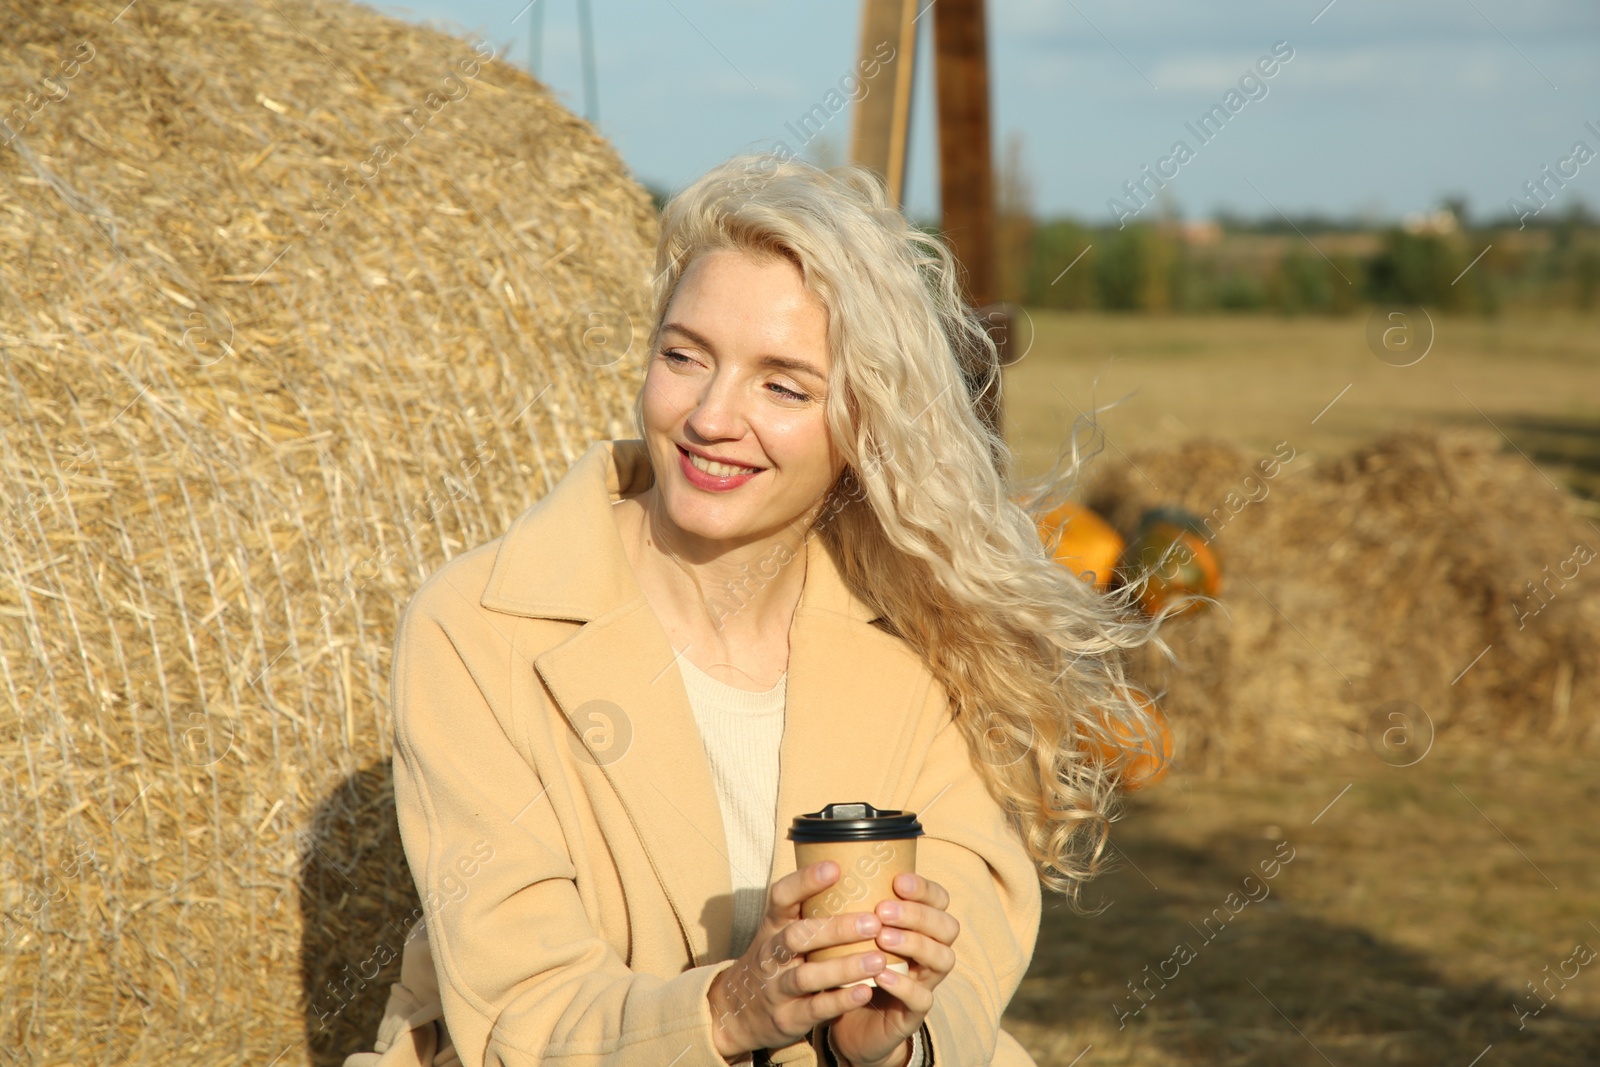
(1437, 913)
(1258, 380)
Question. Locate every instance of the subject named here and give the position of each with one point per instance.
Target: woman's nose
(720, 412)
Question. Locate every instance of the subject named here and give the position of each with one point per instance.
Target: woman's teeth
(718, 470)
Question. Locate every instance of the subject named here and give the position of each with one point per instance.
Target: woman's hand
(918, 928)
(770, 997)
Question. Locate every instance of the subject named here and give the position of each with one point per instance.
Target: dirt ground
(1443, 912)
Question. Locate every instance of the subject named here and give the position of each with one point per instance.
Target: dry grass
(245, 416)
(1397, 573)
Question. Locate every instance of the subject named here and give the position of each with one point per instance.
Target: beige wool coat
(557, 809)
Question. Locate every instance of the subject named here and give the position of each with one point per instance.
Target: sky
(1382, 109)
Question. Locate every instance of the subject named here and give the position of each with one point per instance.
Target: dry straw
(296, 303)
(1396, 575)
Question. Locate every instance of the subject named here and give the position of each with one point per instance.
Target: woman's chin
(708, 524)
(733, 526)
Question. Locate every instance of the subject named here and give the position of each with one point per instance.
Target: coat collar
(847, 682)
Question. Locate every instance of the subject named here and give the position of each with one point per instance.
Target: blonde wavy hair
(925, 520)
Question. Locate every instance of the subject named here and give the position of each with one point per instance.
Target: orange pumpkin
(1172, 558)
(1142, 760)
(1089, 546)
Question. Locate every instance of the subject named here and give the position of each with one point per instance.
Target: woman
(804, 582)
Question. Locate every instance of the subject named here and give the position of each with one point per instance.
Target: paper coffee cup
(871, 846)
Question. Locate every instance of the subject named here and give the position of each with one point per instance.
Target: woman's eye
(680, 359)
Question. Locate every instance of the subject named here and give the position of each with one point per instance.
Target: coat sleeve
(970, 848)
(524, 978)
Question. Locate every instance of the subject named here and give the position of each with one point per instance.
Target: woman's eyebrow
(799, 366)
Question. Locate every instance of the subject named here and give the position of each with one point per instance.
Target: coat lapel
(853, 703)
(850, 699)
(663, 778)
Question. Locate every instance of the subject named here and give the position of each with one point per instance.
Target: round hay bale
(1428, 568)
(297, 302)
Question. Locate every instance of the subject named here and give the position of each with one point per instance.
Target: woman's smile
(711, 476)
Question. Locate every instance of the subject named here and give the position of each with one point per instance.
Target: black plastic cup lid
(854, 822)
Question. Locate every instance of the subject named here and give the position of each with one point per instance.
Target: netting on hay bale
(1399, 572)
(296, 303)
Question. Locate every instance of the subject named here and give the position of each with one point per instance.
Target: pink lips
(701, 480)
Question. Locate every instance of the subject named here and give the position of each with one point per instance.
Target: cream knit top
(741, 731)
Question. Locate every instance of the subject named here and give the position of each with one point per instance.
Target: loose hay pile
(296, 302)
(1400, 572)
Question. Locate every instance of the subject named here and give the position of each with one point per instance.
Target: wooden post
(966, 168)
(881, 120)
(966, 183)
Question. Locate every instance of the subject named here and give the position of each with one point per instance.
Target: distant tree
(1299, 282)
(1457, 206)
(1048, 283)
(1135, 270)
(1419, 269)
(1586, 276)
(1346, 284)
(1238, 291)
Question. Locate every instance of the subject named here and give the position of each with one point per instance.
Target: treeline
(1235, 266)
(1303, 266)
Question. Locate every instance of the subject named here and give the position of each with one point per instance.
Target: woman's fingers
(922, 918)
(829, 975)
(805, 994)
(808, 935)
(919, 948)
(829, 1005)
(917, 928)
(924, 890)
(787, 892)
(915, 995)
